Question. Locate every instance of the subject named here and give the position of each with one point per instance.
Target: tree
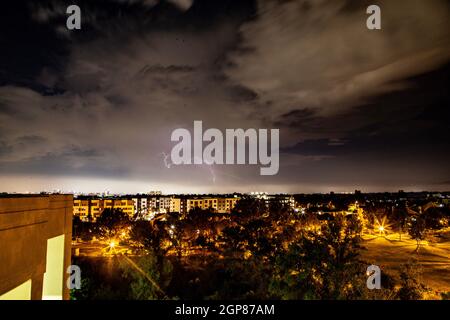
(278, 210)
(243, 279)
(233, 240)
(400, 217)
(254, 237)
(248, 208)
(151, 236)
(417, 230)
(82, 229)
(200, 226)
(410, 287)
(434, 216)
(319, 266)
(354, 225)
(112, 221)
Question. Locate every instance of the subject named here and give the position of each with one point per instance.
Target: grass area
(389, 253)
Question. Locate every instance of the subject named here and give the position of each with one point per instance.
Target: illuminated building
(176, 205)
(160, 203)
(217, 204)
(140, 206)
(126, 205)
(35, 245)
(143, 206)
(88, 209)
(82, 209)
(225, 205)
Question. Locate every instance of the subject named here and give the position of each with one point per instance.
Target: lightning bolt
(168, 165)
(210, 168)
(166, 160)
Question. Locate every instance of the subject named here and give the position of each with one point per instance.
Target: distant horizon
(86, 185)
(220, 193)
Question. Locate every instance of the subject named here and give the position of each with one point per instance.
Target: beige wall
(26, 224)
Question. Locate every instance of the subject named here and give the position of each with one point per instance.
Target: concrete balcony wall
(26, 224)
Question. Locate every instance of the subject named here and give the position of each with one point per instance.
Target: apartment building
(218, 204)
(144, 206)
(91, 208)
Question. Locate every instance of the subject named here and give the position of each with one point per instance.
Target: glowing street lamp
(382, 226)
(110, 249)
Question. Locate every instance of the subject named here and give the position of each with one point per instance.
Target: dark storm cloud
(350, 103)
(66, 164)
(349, 96)
(407, 122)
(121, 94)
(319, 54)
(4, 148)
(399, 140)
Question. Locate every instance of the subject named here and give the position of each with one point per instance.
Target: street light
(381, 230)
(382, 226)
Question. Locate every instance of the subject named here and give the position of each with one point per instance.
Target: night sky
(93, 109)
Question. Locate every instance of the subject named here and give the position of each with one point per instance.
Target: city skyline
(93, 109)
